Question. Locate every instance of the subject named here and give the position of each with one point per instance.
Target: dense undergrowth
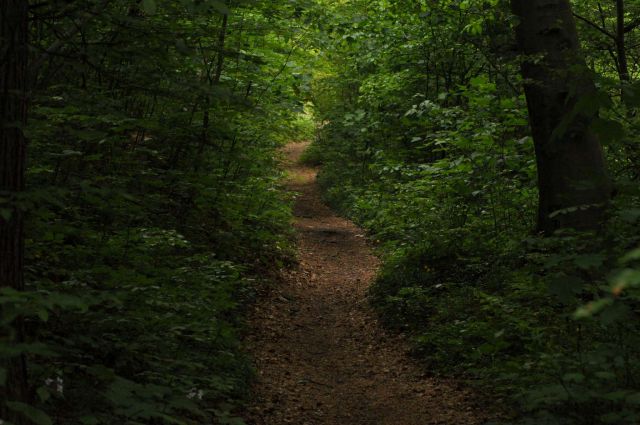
(154, 208)
(424, 141)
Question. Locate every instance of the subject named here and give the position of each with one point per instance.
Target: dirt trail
(322, 357)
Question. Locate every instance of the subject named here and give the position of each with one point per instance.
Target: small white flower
(59, 385)
(193, 393)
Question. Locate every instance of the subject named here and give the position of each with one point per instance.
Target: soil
(321, 355)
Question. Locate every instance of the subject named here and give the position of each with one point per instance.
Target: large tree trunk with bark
(13, 115)
(572, 177)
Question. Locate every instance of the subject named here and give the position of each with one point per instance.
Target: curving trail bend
(321, 355)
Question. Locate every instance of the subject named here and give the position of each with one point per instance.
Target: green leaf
(220, 7)
(633, 398)
(607, 130)
(43, 393)
(632, 95)
(181, 46)
(590, 261)
(89, 420)
(43, 314)
(574, 377)
(614, 313)
(592, 308)
(614, 395)
(626, 278)
(5, 214)
(630, 215)
(149, 7)
(565, 288)
(606, 375)
(37, 416)
(632, 256)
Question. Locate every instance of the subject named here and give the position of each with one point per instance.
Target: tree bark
(13, 117)
(574, 186)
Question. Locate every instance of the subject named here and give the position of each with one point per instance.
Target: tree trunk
(13, 116)
(572, 178)
(621, 51)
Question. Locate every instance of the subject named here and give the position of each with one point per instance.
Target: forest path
(321, 355)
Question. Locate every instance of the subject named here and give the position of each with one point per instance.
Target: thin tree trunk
(573, 181)
(213, 82)
(621, 51)
(13, 116)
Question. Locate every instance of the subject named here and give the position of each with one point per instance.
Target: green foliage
(424, 141)
(154, 207)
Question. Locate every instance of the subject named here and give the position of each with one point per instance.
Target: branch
(633, 25)
(495, 66)
(593, 25)
(603, 19)
(59, 44)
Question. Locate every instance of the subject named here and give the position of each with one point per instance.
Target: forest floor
(322, 356)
